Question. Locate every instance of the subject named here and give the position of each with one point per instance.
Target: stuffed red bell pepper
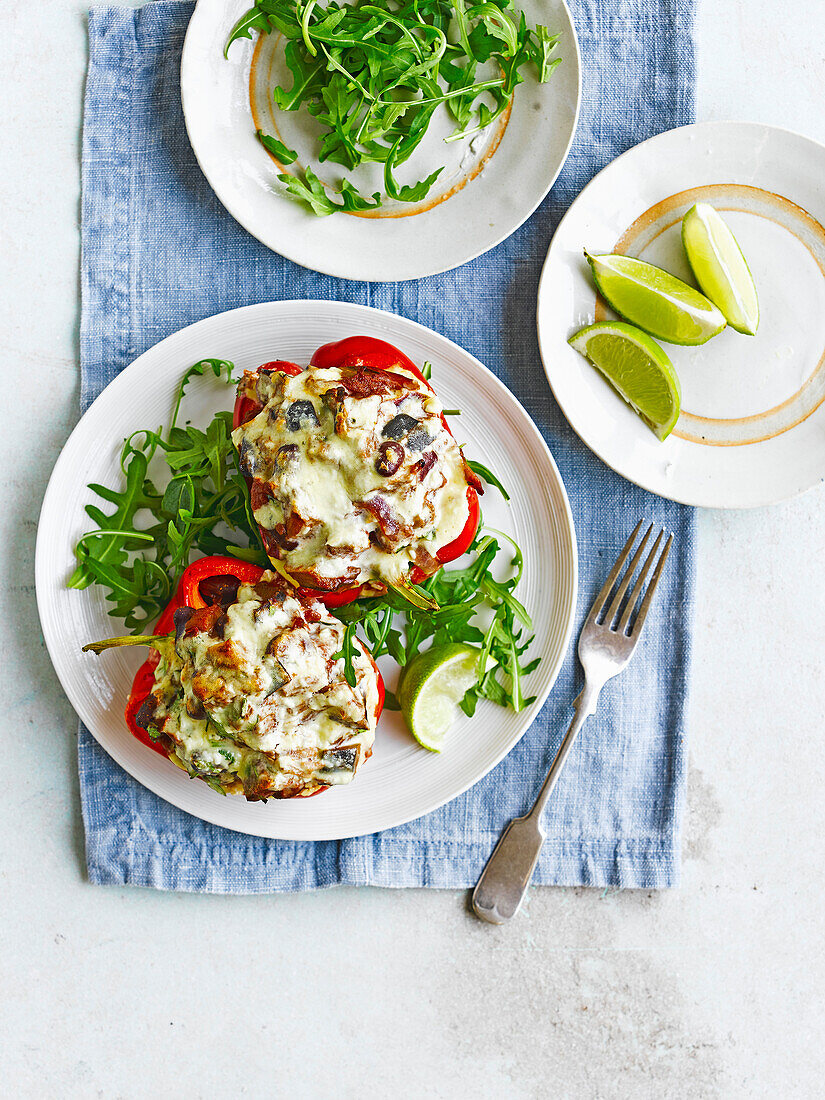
(355, 479)
(243, 690)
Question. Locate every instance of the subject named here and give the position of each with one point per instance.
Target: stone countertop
(711, 990)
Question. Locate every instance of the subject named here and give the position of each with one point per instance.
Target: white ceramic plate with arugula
(752, 427)
(490, 184)
(401, 781)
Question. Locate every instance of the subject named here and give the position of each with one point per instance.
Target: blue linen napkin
(160, 252)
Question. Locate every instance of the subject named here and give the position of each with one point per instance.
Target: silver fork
(604, 651)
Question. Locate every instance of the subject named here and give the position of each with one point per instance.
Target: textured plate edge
(568, 530)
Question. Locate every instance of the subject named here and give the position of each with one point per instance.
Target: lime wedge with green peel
(720, 268)
(433, 685)
(655, 300)
(637, 368)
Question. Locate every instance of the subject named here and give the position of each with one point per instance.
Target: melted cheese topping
(261, 705)
(315, 453)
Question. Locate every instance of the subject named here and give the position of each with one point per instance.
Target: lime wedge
(433, 685)
(720, 267)
(638, 370)
(655, 300)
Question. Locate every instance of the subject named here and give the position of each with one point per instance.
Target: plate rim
(43, 576)
(331, 269)
(695, 499)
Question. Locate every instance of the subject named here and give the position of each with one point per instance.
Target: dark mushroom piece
(337, 763)
(195, 708)
(145, 716)
(398, 427)
(418, 439)
(180, 618)
(247, 459)
(301, 414)
(221, 590)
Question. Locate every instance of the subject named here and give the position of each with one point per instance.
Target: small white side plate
(752, 429)
(513, 169)
(401, 781)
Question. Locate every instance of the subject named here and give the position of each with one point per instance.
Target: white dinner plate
(507, 171)
(752, 429)
(401, 781)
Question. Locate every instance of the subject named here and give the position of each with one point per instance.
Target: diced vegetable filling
(354, 476)
(252, 698)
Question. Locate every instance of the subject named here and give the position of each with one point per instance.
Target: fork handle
(503, 883)
(585, 704)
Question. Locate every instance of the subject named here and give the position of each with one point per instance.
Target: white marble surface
(712, 990)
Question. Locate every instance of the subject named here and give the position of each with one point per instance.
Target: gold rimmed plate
(752, 429)
(490, 183)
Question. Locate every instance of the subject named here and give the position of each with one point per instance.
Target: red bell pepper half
(144, 679)
(367, 351)
(206, 582)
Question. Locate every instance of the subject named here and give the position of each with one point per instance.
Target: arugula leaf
(217, 366)
(252, 20)
(309, 189)
(409, 192)
(352, 200)
(498, 25)
(463, 35)
(347, 652)
(179, 496)
(485, 474)
(372, 77)
(202, 495)
(461, 106)
(307, 78)
(543, 45)
(466, 598)
(276, 148)
(105, 549)
(390, 700)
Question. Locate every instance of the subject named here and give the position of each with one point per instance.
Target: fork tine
(637, 587)
(651, 588)
(599, 601)
(616, 602)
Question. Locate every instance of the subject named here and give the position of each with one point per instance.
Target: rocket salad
(373, 75)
